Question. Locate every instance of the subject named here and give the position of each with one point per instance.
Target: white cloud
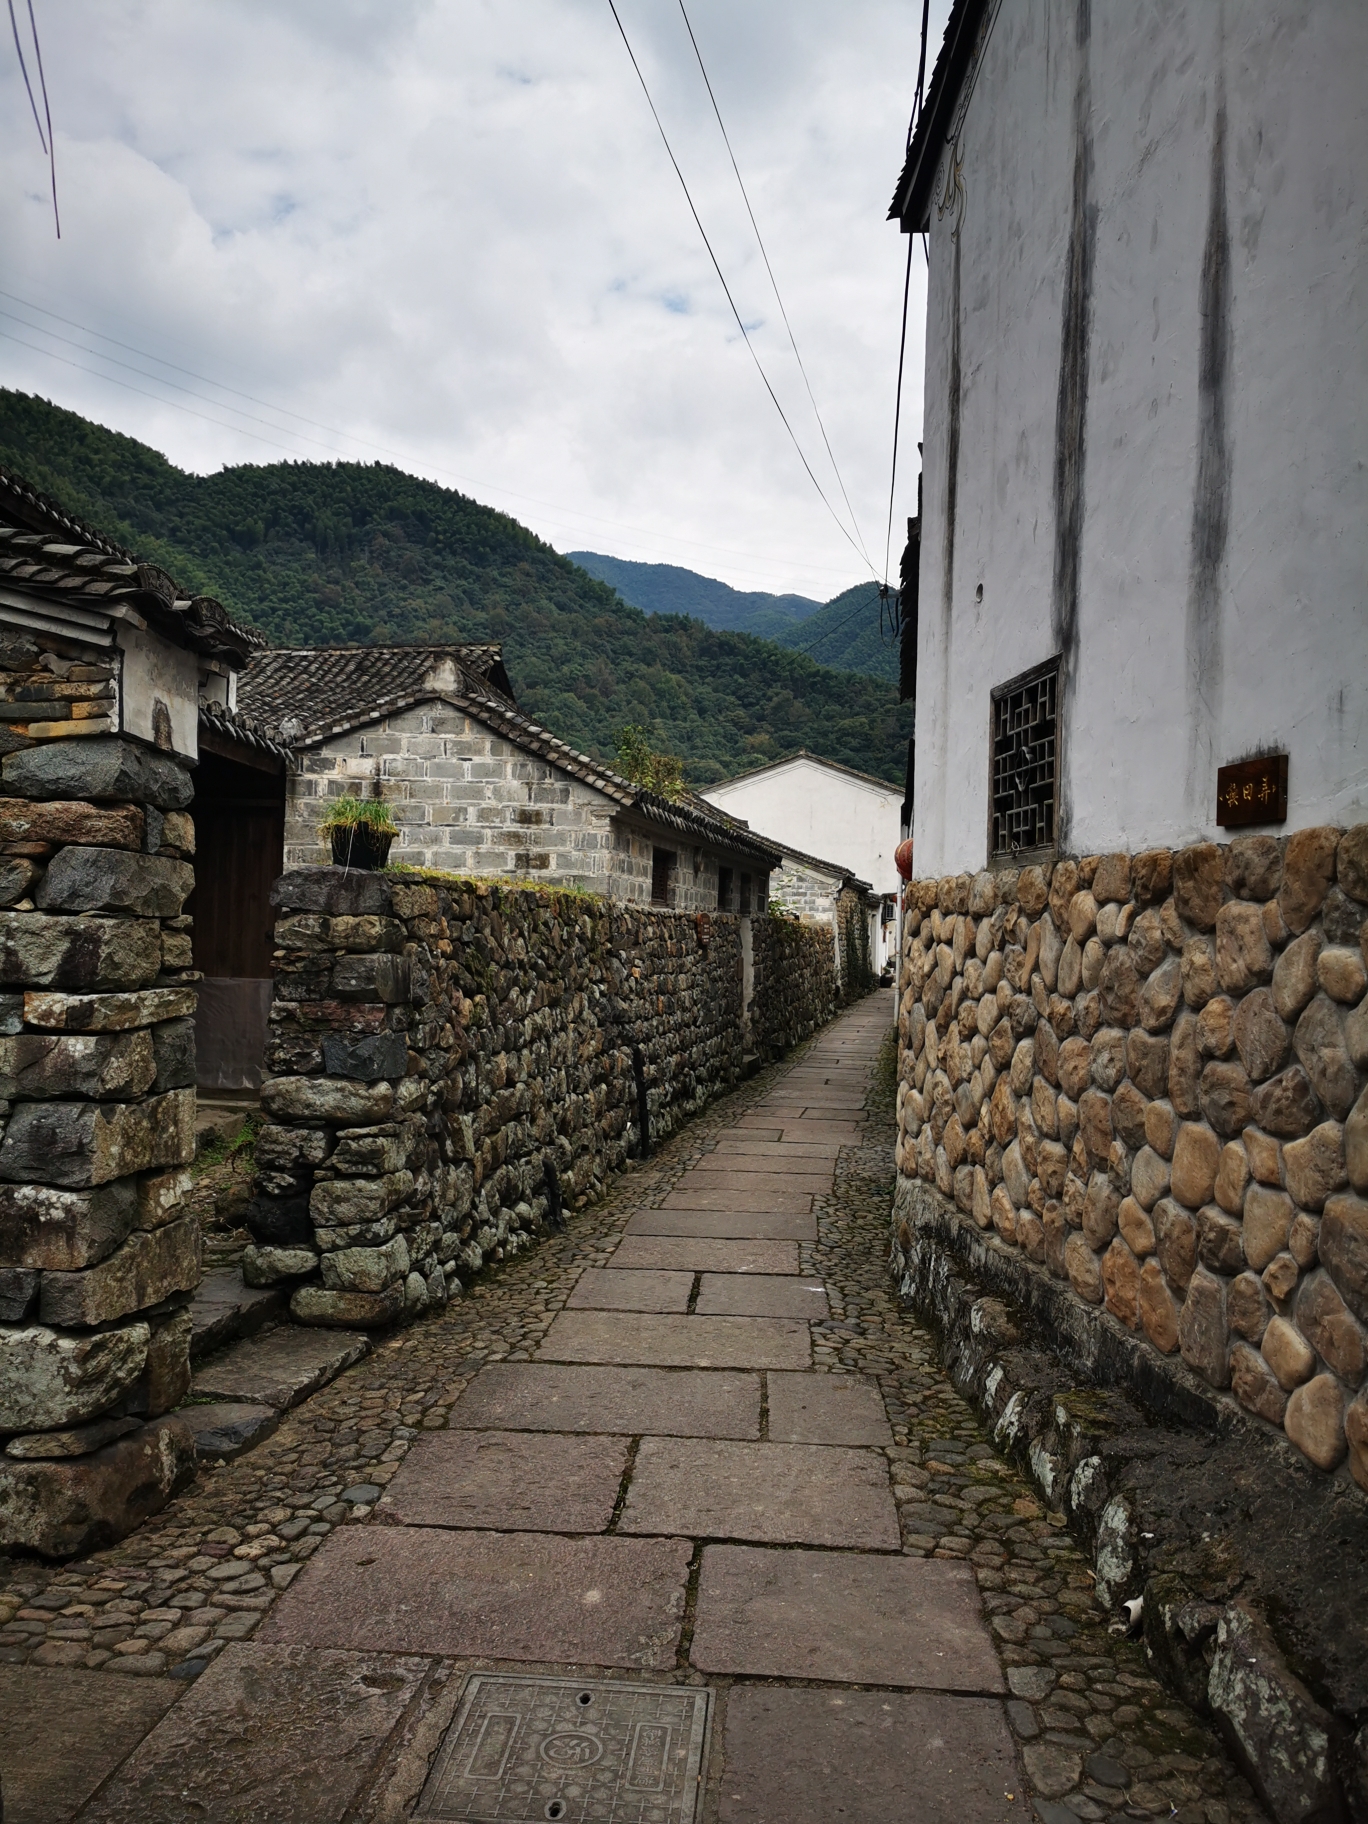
(449, 232)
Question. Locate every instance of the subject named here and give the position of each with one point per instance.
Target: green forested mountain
(669, 589)
(847, 635)
(327, 553)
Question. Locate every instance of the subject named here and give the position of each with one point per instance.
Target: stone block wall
(97, 1105)
(1144, 1076)
(465, 799)
(808, 891)
(796, 989)
(436, 1046)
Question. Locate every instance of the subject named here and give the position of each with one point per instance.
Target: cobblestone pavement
(1040, 1703)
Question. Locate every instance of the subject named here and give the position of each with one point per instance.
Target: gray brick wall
(470, 802)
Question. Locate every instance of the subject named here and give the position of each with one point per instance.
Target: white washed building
(1146, 394)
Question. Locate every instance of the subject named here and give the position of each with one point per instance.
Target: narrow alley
(674, 1518)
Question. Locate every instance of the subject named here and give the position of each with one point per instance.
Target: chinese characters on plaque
(1252, 791)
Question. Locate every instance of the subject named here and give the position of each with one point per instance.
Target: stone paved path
(689, 1453)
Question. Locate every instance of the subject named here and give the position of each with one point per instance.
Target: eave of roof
(240, 730)
(911, 203)
(834, 766)
(49, 554)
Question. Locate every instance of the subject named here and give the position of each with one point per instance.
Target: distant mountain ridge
(669, 589)
(848, 635)
(844, 633)
(330, 553)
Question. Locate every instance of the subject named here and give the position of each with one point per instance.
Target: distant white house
(819, 807)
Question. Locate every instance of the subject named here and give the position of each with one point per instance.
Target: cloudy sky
(445, 233)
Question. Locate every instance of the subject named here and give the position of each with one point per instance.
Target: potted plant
(360, 830)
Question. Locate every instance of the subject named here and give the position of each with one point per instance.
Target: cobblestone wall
(437, 1046)
(1146, 1076)
(97, 1100)
(796, 990)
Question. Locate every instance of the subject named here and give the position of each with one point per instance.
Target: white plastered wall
(1285, 633)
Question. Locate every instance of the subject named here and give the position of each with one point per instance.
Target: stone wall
(796, 990)
(449, 1058)
(97, 1071)
(1144, 1076)
(852, 936)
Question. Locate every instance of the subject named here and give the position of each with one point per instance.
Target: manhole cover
(522, 1750)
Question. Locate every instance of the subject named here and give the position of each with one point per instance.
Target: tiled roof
(243, 731)
(306, 696)
(47, 553)
(309, 693)
(802, 753)
(912, 198)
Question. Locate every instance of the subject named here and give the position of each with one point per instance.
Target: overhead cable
(793, 341)
(907, 286)
(44, 139)
(745, 333)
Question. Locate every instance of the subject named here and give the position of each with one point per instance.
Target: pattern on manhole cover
(522, 1750)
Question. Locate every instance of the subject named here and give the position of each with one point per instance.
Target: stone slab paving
(313, 1646)
(785, 1494)
(601, 1289)
(826, 1409)
(872, 1757)
(674, 1251)
(677, 1342)
(714, 1225)
(847, 1616)
(760, 1295)
(278, 1733)
(747, 1192)
(515, 1596)
(548, 1396)
(63, 1731)
(532, 1481)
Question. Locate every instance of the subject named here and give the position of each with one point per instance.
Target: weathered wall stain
(1211, 487)
(952, 444)
(1071, 411)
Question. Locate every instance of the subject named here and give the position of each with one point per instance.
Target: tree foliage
(324, 553)
(643, 765)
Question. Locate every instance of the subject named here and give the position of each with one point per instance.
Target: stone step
(226, 1428)
(223, 1310)
(281, 1367)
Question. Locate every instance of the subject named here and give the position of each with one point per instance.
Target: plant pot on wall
(360, 831)
(360, 845)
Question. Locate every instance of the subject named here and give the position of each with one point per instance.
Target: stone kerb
(97, 1100)
(1144, 1075)
(450, 1060)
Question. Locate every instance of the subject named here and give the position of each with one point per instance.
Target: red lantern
(902, 858)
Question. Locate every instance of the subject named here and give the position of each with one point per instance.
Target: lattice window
(1025, 735)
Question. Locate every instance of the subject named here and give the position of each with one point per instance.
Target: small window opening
(724, 889)
(662, 875)
(1025, 761)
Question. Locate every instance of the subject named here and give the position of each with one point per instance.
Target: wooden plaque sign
(1252, 791)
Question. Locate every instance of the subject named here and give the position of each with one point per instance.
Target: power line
(46, 141)
(726, 288)
(907, 286)
(553, 507)
(793, 342)
(845, 620)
